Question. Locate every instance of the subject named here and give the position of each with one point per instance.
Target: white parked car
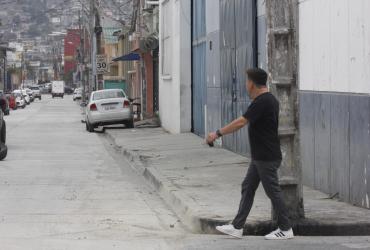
(26, 97)
(107, 107)
(20, 101)
(30, 94)
(77, 94)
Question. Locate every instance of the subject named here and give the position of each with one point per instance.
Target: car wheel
(3, 147)
(130, 124)
(89, 127)
(3, 133)
(3, 151)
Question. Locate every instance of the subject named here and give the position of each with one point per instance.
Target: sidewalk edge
(199, 224)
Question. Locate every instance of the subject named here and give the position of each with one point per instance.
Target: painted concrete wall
(335, 45)
(175, 87)
(334, 78)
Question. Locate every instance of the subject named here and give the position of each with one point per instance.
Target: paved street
(63, 188)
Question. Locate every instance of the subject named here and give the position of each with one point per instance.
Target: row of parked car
(19, 98)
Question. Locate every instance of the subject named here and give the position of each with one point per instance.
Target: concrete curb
(182, 206)
(171, 197)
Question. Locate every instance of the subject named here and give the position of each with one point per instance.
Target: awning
(128, 57)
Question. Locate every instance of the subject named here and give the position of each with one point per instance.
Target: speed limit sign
(102, 66)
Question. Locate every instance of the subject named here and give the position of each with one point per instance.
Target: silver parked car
(77, 94)
(36, 92)
(107, 107)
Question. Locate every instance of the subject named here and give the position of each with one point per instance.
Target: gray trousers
(265, 172)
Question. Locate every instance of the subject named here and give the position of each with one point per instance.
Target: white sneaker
(280, 235)
(230, 230)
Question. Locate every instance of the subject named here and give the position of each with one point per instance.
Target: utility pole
(82, 57)
(3, 68)
(21, 70)
(282, 42)
(96, 43)
(92, 81)
(98, 30)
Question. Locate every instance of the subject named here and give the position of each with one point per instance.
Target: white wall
(175, 88)
(334, 45)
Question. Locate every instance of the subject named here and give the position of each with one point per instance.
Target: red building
(71, 46)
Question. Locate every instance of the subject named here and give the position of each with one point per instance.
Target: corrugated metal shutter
(238, 52)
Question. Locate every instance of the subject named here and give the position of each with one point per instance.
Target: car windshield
(108, 94)
(35, 88)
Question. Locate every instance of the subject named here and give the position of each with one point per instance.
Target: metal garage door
(199, 85)
(238, 52)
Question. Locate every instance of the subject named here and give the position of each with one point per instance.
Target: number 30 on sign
(101, 64)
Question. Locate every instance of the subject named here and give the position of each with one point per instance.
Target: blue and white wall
(334, 82)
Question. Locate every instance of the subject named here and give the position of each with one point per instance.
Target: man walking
(262, 118)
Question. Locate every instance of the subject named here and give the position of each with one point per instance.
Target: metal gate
(238, 52)
(199, 85)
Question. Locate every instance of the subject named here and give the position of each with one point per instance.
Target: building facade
(206, 46)
(71, 47)
(137, 58)
(202, 86)
(110, 44)
(216, 41)
(144, 39)
(125, 68)
(334, 79)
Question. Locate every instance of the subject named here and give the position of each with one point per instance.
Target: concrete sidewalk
(202, 185)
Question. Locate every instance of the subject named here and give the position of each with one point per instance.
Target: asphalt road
(64, 188)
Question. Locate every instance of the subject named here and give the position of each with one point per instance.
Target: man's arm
(234, 126)
(228, 129)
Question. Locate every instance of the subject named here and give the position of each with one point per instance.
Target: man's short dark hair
(258, 76)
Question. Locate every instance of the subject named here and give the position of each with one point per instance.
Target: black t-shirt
(263, 118)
